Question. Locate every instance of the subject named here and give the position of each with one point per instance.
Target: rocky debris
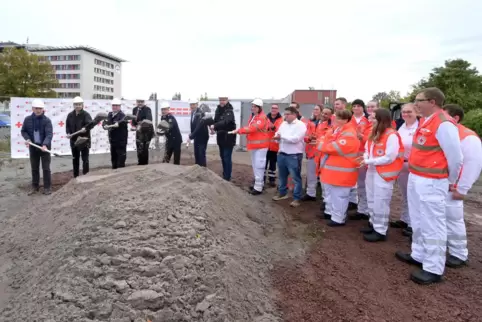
(161, 243)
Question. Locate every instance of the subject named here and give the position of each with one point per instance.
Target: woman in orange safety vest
(339, 166)
(312, 132)
(384, 157)
(258, 140)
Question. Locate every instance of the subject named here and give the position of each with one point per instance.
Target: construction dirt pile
(155, 243)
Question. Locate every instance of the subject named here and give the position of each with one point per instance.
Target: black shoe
(407, 258)
(272, 184)
(332, 223)
(398, 224)
(425, 278)
(374, 237)
(454, 262)
(32, 191)
(255, 192)
(47, 191)
(251, 188)
(327, 216)
(322, 207)
(359, 216)
(407, 232)
(308, 198)
(367, 230)
(352, 206)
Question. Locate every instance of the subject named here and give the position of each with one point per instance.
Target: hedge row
(473, 120)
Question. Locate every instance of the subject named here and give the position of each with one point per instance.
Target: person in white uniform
(434, 164)
(406, 131)
(472, 166)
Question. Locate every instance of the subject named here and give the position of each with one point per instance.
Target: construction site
(177, 243)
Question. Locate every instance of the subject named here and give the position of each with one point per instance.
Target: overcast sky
(258, 48)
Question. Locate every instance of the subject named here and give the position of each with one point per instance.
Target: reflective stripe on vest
(334, 168)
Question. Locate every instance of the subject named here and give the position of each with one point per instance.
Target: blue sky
(258, 48)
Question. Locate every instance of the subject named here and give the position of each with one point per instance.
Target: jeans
(226, 154)
(77, 154)
(118, 156)
(35, 157)
(290, 164)
(200, 152)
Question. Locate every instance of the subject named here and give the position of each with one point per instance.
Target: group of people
(357, 157)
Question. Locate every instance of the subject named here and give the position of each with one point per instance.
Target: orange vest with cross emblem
(273, 144)
(310, 138)
(364, 128)
(258, 136)
(388, 172)
(427, 158)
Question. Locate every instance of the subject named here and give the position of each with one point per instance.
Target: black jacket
(224, 121)
(199, 130)
(117, 135)
(45, 130)
(173, 136)
(144, 114)
(76, 122)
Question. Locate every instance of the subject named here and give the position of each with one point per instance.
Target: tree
(204, 98)
(153, 97)
(176, 97)
(23, 74)
(311, 88)
(385, 98)
(461, 84)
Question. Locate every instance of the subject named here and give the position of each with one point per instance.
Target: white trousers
(353, 194)
(258, 162)
(338, 201)
(326, 197)
(402, 182)
(361, 191)
(311, 178)
(456, 231)
(379, 195)
(426, 205)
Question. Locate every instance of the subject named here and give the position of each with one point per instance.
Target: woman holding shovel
(37, 129)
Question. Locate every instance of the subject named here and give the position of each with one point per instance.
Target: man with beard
(142, 112)
(78, 120)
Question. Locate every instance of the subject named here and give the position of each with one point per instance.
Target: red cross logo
(18, 125)
(61, 123)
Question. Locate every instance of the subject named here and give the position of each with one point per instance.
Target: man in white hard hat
(142, 112)
(78, 120)
(118, 135)
(199, 133)
(37, 129)
(173, 135)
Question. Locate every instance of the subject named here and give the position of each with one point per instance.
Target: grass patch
(5, 146)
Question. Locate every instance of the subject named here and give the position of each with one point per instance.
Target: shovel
(128, 117)
(48, 151)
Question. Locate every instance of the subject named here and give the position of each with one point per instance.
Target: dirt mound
(159, 243)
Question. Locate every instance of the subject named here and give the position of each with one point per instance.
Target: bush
(473, 120)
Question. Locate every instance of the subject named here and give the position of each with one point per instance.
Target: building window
(67, 76)
(63, 57)
(68, 94)
(327, 100)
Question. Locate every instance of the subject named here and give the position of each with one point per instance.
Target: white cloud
(259, 48)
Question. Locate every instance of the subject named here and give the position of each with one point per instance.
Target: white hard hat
(194, 101)
(165, 104)
(116, 101)
(78, 99)
(257, 102)
(38, 103)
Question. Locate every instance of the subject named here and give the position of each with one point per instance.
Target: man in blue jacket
(37, 129)
(199, 133)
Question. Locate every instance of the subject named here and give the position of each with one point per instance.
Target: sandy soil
(342, 278)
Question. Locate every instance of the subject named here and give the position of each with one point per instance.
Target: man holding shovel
(142, 113)
(37, 129)
(116, 124)
(78, 120)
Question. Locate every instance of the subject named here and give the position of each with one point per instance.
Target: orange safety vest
(388, 172)
(257, 131)
(311, 131)
(427, 158)
(273, 144)
(322, 131)
(339, 166)
(364, 128)
(463, 133)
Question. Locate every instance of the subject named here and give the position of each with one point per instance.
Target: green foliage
(176, 97)
(473, 120)
(385, 98)
(204, 97)
(461, 84)
(23, 74)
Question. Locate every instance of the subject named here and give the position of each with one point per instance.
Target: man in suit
(77, 120)
(173, 135)
(37, 128)
(142, 112)
(199, 133)
(118, 135)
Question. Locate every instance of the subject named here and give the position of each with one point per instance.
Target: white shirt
(406, 134)
(447, 136)
(358, 119)
(472, 154)
(391, 152)
(292, 137)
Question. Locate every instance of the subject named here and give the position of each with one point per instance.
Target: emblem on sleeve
(342, 141)
(379, 152)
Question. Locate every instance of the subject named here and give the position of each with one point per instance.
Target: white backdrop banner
(58, 109)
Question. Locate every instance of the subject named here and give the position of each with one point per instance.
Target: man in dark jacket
(37, 129)
(222, 123)
(173, 135)
(199, 133)
(118, 135)
(142, 112)
(78, 120)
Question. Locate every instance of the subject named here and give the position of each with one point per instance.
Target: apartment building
(83, 71)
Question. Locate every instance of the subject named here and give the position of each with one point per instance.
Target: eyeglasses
(422, 100)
